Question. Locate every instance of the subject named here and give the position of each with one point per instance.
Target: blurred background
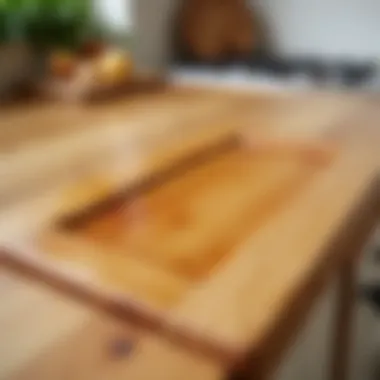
(273, 44)
(291, 43)
(284, 44)
(55, 38)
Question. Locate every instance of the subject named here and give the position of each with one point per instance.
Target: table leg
(343, 324)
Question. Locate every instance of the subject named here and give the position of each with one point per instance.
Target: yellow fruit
(114, 67)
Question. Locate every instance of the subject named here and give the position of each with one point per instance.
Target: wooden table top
(46, 335)
(203, 217)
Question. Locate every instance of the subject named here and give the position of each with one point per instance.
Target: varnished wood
(46, 335)
(294, 205)
(184, 224)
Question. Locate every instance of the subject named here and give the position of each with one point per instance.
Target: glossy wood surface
(254, 224)
(188, 224)
(45, 336)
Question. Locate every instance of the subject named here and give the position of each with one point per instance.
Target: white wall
(153, 31)
(333, 28)
(116, 13)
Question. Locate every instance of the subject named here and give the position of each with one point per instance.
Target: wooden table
(46, 335)
(207, 223)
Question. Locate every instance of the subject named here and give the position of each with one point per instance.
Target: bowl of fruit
(93, 71)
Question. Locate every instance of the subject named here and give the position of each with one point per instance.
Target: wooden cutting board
(187, 223)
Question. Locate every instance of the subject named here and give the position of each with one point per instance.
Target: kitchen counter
(236, 210)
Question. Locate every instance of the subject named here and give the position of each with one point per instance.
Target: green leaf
(47, 23)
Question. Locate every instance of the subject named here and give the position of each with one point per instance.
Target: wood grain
(289, 219)
(188, 224)
(48, 336)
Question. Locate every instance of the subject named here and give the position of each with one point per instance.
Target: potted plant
(30, 29)
(53, 24)
(64, 31)
(15, 56)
